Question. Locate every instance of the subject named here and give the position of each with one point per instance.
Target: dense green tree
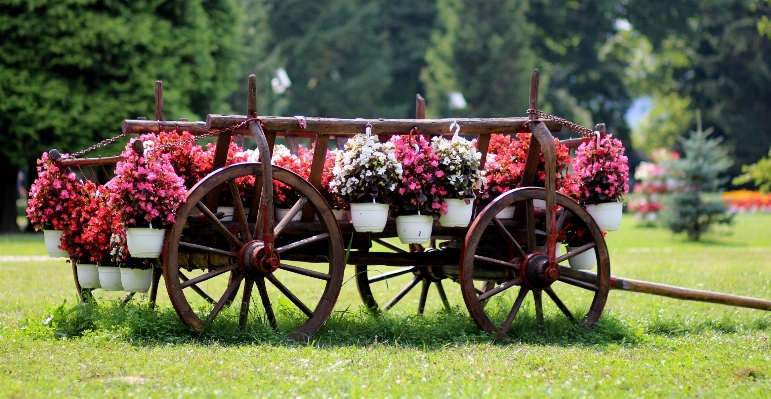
(728, 73)
(481, 49)
(71, 70)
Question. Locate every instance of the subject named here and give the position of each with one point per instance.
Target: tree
(72, 70)
(758, 173)
(700, 172)
(481, 49)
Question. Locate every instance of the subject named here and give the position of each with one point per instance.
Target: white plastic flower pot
(414, 229)
(539, 203)
(228, 212)
(458, 213)
(144, 242)
(88, 275)
(136, 280)
(282, 212)
(506, 213)
(607, 215)
(584, 261)
(369, 217)
(340, 214)
(52, 240)
(109, 278)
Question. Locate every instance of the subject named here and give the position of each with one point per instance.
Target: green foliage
(698, 172)
(758, 173)
(481, 49)
(669, 117)
(71, 71)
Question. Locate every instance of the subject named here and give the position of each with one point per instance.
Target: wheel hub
(257, 259)
(536, 273)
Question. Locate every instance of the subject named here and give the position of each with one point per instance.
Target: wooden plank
(349, 127)
(140, 126)
(317, 168)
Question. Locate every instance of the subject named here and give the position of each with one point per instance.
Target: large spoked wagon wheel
(207, 260)
(510, 257)
(392, 284)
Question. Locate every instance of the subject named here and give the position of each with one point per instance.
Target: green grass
(644, 346)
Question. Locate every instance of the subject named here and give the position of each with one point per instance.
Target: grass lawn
(644, 346)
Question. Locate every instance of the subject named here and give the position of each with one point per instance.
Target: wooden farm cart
(297, 266)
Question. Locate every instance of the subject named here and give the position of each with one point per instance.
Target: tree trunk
(9, 193)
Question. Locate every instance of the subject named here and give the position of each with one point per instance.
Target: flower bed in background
(745, 201)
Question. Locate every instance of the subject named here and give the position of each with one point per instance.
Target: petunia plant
(48, 206)
(367, 171)
(145, 191)
(419, 190)
(602, 169)
(458, 169)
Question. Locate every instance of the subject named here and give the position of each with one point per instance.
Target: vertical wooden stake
(158, 100)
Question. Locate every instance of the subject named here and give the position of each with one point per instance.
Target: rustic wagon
(298, 265)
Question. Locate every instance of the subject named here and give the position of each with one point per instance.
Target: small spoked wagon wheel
(511, 258)
(209, 259)
(392, 284)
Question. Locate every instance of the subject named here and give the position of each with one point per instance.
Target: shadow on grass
(140, 325)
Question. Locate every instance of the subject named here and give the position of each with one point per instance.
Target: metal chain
(583, 131)
(103, 143)
(109, 141)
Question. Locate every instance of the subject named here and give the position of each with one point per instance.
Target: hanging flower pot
(109, 278)
(414, 229)
(369, 217)
(52, 240)
(88, 275)
(606, 214)
(506, 213)
(136, 280)
(282, 212)
(341, 214)
(584, 261)
(144, 242)
(227, 213)
(458, 213)
(557, 249)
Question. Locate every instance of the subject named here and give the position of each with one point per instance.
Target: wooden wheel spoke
(204, 248)
(576, 251)
(442, 295)
(538, 301)
(232, 288)
(303, 242)
(423, 296)
(292, 297)
(218, 225)
(561, 305)
(585, 280)
(388, 245)
(402, 293)
(297, 207)
(304, 272)
(494, 262)
(207, 276)
(395, 273)
(497, 290)
(560, 220)
(239, 213)
(514, 310)
(197, 290)
(530, 218)
(509, 238)
(244, 315)
(260, 282)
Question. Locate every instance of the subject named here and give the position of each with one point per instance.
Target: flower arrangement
(602, 169)
(573, 234)
(48, 206)
(145, 191)
(333, 199)
(367, 171)
(458, 169)
(506, 164)
(97, 222)
(184, 154)
(283, 195)
(418, 191)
